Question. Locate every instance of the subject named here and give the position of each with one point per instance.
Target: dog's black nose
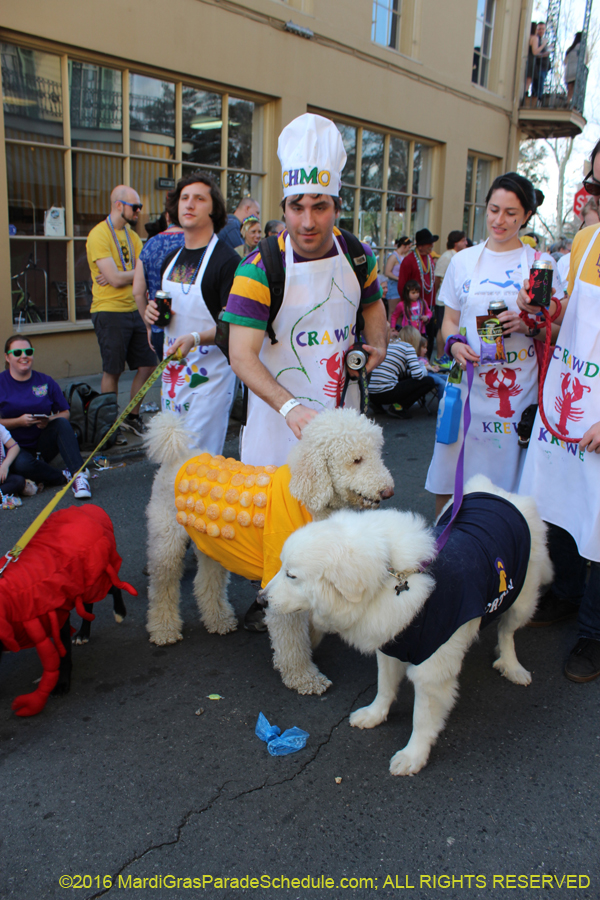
(262, 598)
(385, 495)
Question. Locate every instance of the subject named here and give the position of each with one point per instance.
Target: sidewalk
(134, 443)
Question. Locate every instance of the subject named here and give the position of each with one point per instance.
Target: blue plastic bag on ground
(279, 744)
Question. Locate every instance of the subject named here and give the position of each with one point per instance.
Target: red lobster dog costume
(72, 560)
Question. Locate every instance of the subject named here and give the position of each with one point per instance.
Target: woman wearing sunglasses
(36, 413)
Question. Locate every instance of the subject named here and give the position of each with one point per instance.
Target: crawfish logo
(336, 372)
(500, 383)
(572, 390)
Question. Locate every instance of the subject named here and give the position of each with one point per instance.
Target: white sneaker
(81, 487)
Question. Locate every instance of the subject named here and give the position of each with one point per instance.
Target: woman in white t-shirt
(505, 379)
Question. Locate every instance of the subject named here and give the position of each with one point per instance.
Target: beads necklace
(119, 247)
(423, 273)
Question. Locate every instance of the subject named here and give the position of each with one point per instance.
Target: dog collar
(401, 582)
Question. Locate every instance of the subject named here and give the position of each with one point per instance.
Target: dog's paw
(518, 674)
(402, 763)
(367, 717)
(164, 635)
(308, 684)
(222, 626)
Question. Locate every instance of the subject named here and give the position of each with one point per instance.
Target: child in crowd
(11, 483)
(413, 309)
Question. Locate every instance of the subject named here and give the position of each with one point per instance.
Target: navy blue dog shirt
(480, 572)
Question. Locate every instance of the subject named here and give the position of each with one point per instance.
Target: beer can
(163, 302)
(496, 307)
(356, 359)
(540, 283)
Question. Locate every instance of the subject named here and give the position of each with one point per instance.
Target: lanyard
(118, 243)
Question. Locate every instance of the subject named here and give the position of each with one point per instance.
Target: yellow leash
(37, 523)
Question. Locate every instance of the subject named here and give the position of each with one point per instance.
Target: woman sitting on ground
(35, 411)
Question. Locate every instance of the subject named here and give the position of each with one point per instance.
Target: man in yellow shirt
(112, 250)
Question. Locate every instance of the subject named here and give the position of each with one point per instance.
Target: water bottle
(449, 414)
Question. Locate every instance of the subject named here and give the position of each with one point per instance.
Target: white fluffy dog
(361, 576)
(337, 464)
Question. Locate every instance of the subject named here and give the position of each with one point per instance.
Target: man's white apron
(314, 328)
(201, 387)
(564, 480)
(499, 395)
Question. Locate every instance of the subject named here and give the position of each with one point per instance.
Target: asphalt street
(122, 780)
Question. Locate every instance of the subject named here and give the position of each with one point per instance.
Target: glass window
(39, 281)
(202, 127)
(240, 185)
(241, 121)
(484, 32)
(469, 179)
(96, 104)
(385, 23)
(348, 133)
(477, 185)
(419, 214)
(482, 181)
(32, 94)
(372, 159)
(94, 177)
(397, 221)
(145, 175)
(36, 181)
(83, 282)
(348, 198)
(421, 169)
(369, 218)
(152, 116)
(398, 165)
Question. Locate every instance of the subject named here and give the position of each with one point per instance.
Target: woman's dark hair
(12, 340)
(156, 227)
(595, 153)
(402, 241)
(533, 28)
(408, 287)
(271, 226)
(219, 212)
(521, 187)
(453, 238)
(576, 41)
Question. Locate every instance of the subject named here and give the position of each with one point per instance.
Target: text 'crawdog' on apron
(501, 390)
(565, 480)
(314, 328)
(201, 386)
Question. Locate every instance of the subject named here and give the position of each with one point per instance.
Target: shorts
(122, 338)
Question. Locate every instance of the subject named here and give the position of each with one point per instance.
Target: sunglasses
(591, 185)
(135, 206)
(28, 351)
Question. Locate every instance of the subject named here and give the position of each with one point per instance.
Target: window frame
(393, 24)
(178, 165)
(470, 206)
(483, 22)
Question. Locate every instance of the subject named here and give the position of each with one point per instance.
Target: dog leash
(15, 552)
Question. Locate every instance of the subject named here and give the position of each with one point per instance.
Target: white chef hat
(312, 156)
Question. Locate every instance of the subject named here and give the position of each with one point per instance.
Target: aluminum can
(540, 283)
(356, 359)
(163, 301)
(494, 309)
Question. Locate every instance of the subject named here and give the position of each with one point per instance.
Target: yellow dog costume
(238, 515)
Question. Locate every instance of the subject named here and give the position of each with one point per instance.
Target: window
(67, 161)
(386, 186)
(385, 26)
(477, 184)
(484, 32)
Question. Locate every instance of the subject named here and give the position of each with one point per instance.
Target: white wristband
(196, 337)
(289, 406)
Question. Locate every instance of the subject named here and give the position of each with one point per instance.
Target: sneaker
(81, 486)
(553, 609)
(135, 424)
(583, 663)
(254, 620)
(30, 488)
(120, 440)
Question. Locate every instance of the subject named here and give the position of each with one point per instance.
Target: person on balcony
(571, 64)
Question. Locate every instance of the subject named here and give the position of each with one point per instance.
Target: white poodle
(375, 579)
(337, 464)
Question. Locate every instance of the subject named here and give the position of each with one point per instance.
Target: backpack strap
(273, 263)
(358, 261)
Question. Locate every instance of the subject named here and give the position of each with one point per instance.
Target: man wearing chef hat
(292, 380)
